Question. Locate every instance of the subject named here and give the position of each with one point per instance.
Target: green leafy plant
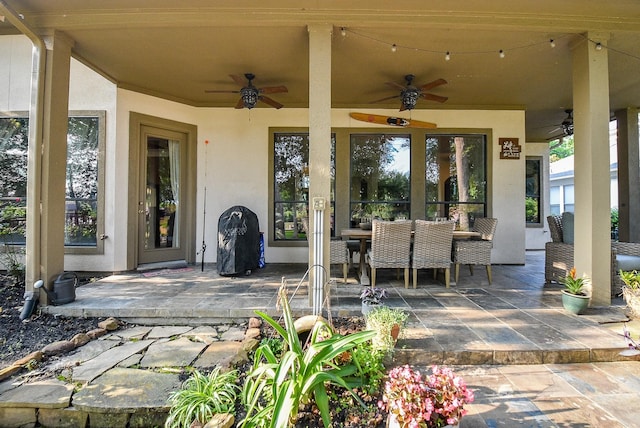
(370, 365)
(11, 257)
(387, 323)
(202, 396)
(631, 279)
(276, 387)
(275, 344)
(573, 284)
(615, 218)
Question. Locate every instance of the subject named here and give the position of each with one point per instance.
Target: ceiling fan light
(567, 128)
(249, 97)
(409, 98)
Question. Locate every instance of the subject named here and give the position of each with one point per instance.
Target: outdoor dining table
(364, 235)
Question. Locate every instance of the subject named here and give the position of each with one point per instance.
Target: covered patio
(516, 320)
(511, 72)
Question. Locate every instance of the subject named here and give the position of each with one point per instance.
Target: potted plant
(371, 298)
(574, 297)
(387, 323)
(434, 401)
(631, 291)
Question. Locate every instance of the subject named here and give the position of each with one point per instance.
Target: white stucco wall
(237, 157)
(15, 73)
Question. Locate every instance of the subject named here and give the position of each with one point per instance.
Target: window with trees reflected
(456, 180)
(85, 138)
(380, 186)
(291, 186)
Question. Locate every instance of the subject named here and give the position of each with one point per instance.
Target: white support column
(592, 247)
(319, 153)
(54, 160)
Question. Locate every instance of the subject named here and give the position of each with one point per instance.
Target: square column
(319, 143)
(628, 175)
(46, 216)
(592, 249)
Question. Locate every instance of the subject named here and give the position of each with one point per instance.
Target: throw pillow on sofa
(567, 227)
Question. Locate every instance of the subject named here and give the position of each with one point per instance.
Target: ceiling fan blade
(433, 84)
(554, 130)
(238, 79)
(433, 97)
(386, 99)
(221, 92)
(239, 104)
(560, 137)
(269, 101)
(396, 85)
(273, 89)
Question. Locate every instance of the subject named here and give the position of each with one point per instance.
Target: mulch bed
(19, 338)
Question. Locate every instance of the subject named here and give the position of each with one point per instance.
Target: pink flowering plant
(436, 400)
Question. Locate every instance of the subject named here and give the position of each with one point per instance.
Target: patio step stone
(128, 376)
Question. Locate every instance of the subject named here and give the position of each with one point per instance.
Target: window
(533, 184)
(380, 177)
(554, 200)
(455, 173)
(568, 198)
(291, 186)
(83, 208)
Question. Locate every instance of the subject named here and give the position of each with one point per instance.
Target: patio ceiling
(157, 48)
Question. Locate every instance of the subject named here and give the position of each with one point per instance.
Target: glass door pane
(162, 172)
(162, 194)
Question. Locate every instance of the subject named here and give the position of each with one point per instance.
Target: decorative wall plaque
(509, 148)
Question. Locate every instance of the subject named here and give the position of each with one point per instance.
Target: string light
(447, 54)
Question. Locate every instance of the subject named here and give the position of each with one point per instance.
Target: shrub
(202, 396)
(277, 386)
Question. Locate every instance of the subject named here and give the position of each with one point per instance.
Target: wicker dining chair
(432, 248)
(339, 254)
(390, 247)
(476, 251)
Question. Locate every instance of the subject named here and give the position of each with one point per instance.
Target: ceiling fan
(250, 94)
(566, 126)
(410, 93)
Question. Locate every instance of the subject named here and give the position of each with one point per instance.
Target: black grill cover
(238, 241)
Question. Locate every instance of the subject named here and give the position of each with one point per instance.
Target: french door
(161, 198)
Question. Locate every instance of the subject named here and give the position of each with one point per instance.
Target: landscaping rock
(221, 421)
(59, 347)
(96, 333)
(255, 322)
(80, 339)
(110, 324)
(252, 333)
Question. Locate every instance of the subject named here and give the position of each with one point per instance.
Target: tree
(560, 149)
